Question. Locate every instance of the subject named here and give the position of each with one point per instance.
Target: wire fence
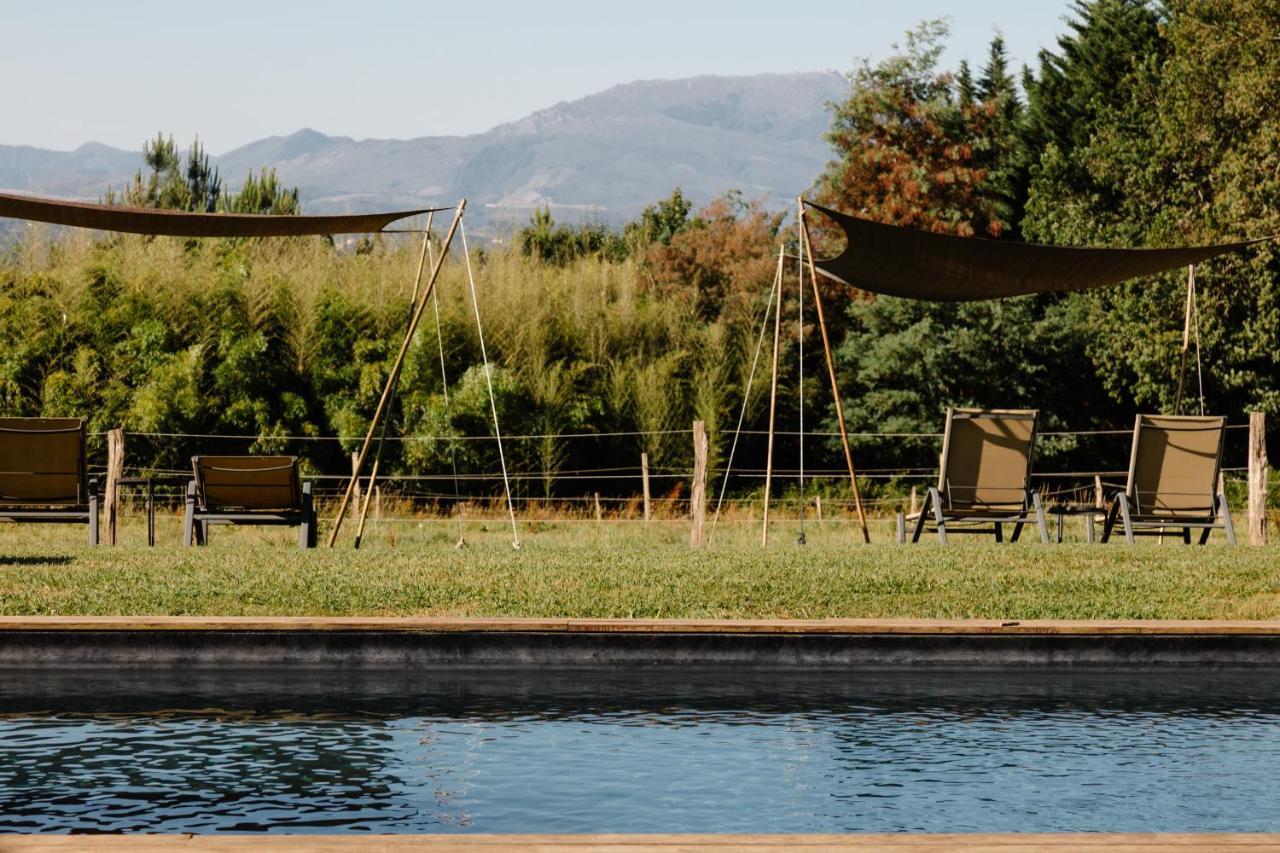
(578, 490)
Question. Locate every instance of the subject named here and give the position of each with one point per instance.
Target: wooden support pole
(386, 422)
(817, 507)
(115, 470)
(915, 500)
(599, 514)
(1257, 478)
(773, 402)
(698, 494)
(394, 379)
(644, 481)
(807, 249)
(1186, 338)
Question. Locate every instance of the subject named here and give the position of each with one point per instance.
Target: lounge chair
(985, 476)
(247, 490)
(44, 473)
(1173, 479)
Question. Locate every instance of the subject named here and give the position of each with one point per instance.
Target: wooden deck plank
(1039, 627)
(868, 843)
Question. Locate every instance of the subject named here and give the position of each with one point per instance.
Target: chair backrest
(1174, 464)
(247, 482)
(986, 458)
(42, 462)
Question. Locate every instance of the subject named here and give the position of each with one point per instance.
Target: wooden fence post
(915, 500)
(817, 505)
(599, 514)
(698, 496)
(1257, 478)
(644, 479)
(115, 470)
(355, 469)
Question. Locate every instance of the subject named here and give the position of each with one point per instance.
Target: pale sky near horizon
(235, 71)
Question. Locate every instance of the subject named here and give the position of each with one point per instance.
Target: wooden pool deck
(896, 843)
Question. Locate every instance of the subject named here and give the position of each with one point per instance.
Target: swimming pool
(641, 752)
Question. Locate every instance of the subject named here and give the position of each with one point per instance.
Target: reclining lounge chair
(1173, 479)
(44, 473)
(985, 476)
(247, 490)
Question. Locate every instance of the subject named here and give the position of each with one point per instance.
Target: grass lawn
(588, 569)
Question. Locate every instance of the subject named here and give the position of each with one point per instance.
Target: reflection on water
(593, 752)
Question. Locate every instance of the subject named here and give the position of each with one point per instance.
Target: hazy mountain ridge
(605, 155)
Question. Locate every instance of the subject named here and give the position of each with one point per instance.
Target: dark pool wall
(179, 649)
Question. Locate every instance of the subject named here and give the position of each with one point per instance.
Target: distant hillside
(600, 157)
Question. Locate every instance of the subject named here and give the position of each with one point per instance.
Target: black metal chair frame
(198, 518)
(1122, 510)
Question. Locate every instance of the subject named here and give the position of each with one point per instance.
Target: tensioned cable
(746, 398)
(800, 347)
(488, 379)
(448, 410)
(1195, 322)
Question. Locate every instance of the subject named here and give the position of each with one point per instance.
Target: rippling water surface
(584, 752)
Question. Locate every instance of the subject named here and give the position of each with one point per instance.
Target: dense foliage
(1147, 124)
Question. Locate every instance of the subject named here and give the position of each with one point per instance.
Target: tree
(905, 145)
(723, 259)
(264, 194)
(171, 185)
(1157, 130)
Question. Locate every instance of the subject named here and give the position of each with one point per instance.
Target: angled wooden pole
(386, 422)
(807, 250)
(394, 378)
(773, 398)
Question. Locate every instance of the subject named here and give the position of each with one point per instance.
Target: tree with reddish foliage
(723, 258)
(912, 150)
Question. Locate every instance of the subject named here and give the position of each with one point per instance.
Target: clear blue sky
(235, 71)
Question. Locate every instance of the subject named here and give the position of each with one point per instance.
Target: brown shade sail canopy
(173, 223)
(917, 264)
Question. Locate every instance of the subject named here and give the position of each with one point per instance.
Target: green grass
(626, 570)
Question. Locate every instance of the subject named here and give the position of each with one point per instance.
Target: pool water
(598, 752)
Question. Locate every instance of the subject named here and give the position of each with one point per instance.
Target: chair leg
(1040, 523)
(936, 500)
(1123, 500)
(1062, 523)
(924, 511)
(1110, 523)
(1186, 536)
(306, 533)
(93, 518)
(999, 528)
(1225, 513)
(189, 514)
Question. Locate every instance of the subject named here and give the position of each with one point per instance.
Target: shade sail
(172, 223)
(918, 264)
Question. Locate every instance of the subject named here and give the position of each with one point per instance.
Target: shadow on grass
(31, 560)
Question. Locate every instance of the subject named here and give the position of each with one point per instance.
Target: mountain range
(599, 158)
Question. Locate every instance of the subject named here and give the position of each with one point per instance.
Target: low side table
(151, 503)
(1087, 510)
